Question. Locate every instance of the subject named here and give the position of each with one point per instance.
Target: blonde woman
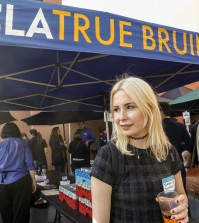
(149, 161)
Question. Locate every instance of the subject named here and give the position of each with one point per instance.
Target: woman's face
(127, 116)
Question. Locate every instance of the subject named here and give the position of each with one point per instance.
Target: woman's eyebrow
(130, 103)
(127, 103)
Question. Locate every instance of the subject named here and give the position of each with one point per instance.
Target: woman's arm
(101, 201)
(45, 146)
(34, 185)
(46, 150)
(180, 212)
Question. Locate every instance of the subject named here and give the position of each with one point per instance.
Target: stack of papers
(50, 192)
(40, 178)
(46, 186)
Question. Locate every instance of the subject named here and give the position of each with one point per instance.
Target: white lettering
(9, 23)
(35, 29)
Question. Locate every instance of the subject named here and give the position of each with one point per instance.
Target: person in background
(17, 176)
(25, 137)
(177, 135)
(59, 157)
(87, 137)
(195, 140)
(86, 133)
(149, 161)
(102, 136)
(38, 148)
(79, 152)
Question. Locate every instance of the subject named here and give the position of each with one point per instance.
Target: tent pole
(69, 132)
(64, 132)
(106, 118)
(66, 146)
(69, 140)
(107, 128)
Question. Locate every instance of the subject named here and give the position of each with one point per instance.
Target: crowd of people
(145, 140)
(21, 158)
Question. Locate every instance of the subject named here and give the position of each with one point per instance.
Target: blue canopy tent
(57, 57)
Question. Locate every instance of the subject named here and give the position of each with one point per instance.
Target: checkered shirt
(134, 200)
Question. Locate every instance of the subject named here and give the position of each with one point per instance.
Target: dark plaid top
(134, 200)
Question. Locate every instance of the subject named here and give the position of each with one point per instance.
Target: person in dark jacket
(38, 148)
(59, 158)
(177, 135)
(175, 131)
(195, 140)
(79, 152)
(17, 176)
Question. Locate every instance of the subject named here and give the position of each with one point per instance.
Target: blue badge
(168, 183)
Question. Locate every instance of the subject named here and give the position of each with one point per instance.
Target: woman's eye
(115, 109)
(130, 107)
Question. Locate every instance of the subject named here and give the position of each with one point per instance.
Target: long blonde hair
(144, 97)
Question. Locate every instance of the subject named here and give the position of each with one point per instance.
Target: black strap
(4, 174)
(118, 165)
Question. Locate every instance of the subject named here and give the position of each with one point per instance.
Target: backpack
(117, 164)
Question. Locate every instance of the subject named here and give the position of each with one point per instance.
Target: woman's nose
(122, 115)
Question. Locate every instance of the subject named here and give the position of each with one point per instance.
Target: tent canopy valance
(58, 27)
(65, 58)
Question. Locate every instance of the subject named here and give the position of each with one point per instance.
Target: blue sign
(50, 26)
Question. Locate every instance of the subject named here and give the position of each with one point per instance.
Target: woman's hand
(34, 184)
(180, 213)
(34, 187)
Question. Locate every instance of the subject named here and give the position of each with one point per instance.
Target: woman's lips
(125, 127)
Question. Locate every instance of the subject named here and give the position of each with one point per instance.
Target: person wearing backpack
(138, 163)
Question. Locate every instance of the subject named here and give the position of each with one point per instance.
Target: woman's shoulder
(81, 143)
(105, 150)
(5, 141)
(173, 152)
(15, 141)
(73, 142)
(102, 165)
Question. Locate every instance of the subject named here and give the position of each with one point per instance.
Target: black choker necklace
(138, 138)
